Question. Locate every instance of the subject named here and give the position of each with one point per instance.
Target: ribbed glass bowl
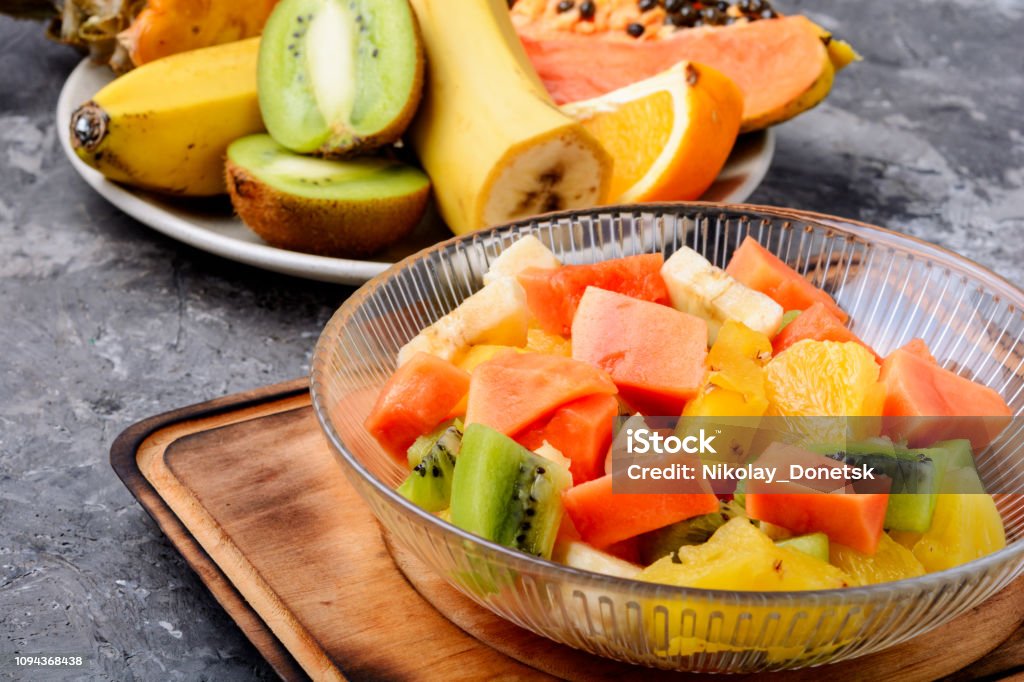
(895, 288)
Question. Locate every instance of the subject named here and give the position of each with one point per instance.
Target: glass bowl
(894, 287)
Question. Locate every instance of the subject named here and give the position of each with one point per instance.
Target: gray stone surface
(105, 321)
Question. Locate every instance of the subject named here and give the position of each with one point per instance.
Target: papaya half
(784, 65)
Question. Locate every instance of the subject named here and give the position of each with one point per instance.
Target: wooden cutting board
(247, 490)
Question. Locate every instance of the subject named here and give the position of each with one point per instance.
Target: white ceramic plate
(210, 225)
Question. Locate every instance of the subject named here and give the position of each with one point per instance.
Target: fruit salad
(509, 412)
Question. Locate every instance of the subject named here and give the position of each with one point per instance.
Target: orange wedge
(670, 134)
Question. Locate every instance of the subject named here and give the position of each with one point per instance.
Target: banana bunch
(697, 287)
(165, 126)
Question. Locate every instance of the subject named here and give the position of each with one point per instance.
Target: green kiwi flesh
(337, 77)
(432, 460)
(363, 179)
(655, 544)
(814, 544)
(346, 208)
(507, 494)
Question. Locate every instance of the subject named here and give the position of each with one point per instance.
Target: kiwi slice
(432, 460)
(507, 494)
(813, 544)
(337, 77)
(334, 208)
(953, 454)
(915, 484)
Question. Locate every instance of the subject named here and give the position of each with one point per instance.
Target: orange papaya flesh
(817, 323)
(919, 348)
(821, 504)
(604, 519)
(759, 269)
(851, 519)
(919, 393)
(774, 62)
(553, 295)
(654, 354)
(581, 431)
(418, 396)
(513, 390)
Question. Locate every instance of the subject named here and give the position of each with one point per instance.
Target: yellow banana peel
(166, 125)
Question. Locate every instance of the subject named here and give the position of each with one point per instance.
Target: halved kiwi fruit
(333, 208)
(338, 77)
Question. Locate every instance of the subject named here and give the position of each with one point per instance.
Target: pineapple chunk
(697, 287)
(736, 386)
(539, 341)
(891, 561)
(527, 252)
(497, 314)
(478, 355)
(740, 557)
(965, 526)
(721, 402)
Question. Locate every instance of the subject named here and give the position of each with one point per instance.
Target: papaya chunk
(919, 348)
(604, 519)
(418, 396)
(817, 323)
(580, 430)
(918, 390)
(851, 519)
(818, 505)
(654, 354)
(763, 271)
(513, 390)
(553, 295)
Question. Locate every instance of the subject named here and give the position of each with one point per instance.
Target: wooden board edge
(124, 463)
(153, 459)
(124, 460)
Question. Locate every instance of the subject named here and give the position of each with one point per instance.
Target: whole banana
(166, 125)
(495, 146)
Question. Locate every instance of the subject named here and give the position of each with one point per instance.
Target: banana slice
(697, 287)
(584, 557)
(525, 253)
(497, 314)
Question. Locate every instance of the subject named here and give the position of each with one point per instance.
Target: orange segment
(824, 379)
(670, 135)
(635, 135)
